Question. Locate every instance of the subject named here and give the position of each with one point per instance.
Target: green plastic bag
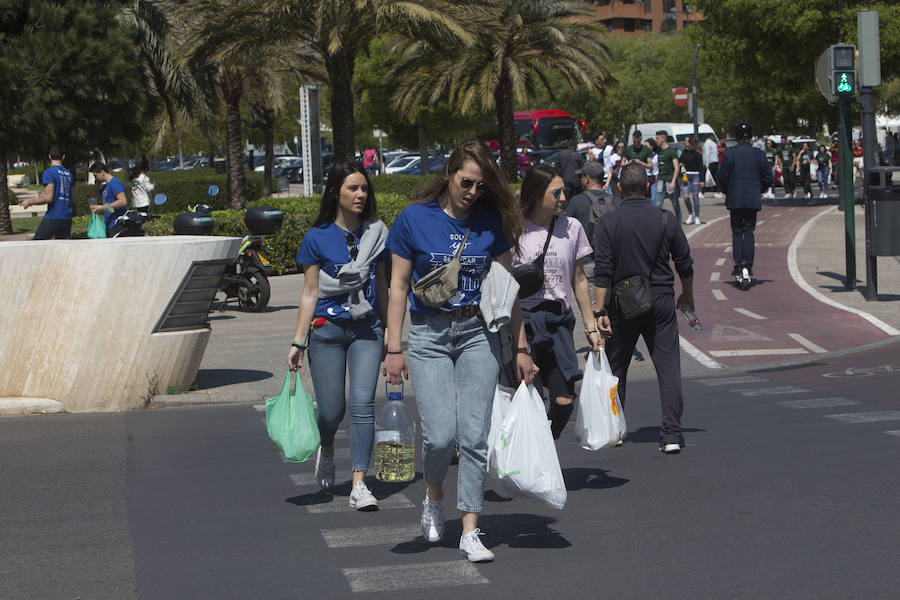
(96, 227)
(291, 421)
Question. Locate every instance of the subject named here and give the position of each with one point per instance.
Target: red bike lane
(773, 320)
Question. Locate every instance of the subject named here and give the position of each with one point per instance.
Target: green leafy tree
(519, 43)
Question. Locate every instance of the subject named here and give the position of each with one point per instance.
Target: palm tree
(338, 30)
(518, 43)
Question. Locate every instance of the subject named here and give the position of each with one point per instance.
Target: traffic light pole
(846, 189)
(870, 158)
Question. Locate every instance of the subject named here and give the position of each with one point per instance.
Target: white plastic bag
(502, 398)
(600, 420)
(527, 464)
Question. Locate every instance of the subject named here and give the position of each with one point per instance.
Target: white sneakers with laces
(361, 498)
(471, 547)
(432, 520)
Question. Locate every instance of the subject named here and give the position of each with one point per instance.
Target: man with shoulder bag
(634, 292)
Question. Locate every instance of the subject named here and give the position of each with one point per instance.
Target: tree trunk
(232, 89)
(503, 98)
(125, 168)
(340, 78)
(268, 122)
(5, 221)
(423, 146)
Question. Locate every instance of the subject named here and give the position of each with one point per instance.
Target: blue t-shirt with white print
(60, 206)
(113, 188)
(424, 234)
(327, 247)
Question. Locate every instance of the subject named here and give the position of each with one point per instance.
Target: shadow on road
(651, 435)
(210, 378)
(518, 530)
(579, 478)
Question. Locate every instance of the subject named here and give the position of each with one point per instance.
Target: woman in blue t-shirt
(340, 319)
(453, 358)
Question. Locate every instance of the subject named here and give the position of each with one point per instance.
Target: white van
(677, 132)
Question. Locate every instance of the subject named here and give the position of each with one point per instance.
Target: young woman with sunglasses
(339, 321)
(548, 311)
(453, 358)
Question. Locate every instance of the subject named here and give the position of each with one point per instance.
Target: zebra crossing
(760, 390)
(405, 529)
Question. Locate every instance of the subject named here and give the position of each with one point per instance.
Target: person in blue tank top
(340, 317)
(57, 194)
(453, 358)
(114, 202)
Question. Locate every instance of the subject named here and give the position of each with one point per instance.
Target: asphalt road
(785, 490)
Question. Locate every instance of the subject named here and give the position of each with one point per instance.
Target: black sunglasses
(560, 191)
(466, 183)
(351, 244)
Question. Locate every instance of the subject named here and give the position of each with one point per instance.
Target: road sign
(680, 96)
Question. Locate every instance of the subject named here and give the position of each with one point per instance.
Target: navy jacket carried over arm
(743, 175)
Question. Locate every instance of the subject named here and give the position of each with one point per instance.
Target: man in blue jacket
(743, 176)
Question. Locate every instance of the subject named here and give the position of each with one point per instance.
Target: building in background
(639, 16)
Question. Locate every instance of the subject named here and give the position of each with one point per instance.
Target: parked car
(400, 163)
(435, 164)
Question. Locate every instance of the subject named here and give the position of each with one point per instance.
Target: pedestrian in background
(667, 184)
(141, 187)
(653, 175)
(823, 162)
(804, 162)
(340, 319)
(453, 357)
(693, 165)
(613, 165)
(58, 194)
(549, 320)
(570, 160)
(771, 153)
(711, 156)
(787, 160)
(113, 203)
(589, 205)
(640, 239)
(742, 176)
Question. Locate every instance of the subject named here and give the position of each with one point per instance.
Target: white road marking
(798, 278)
(718, 295)
(340, 504)
(259, 407)
(714, 276)
(703, 226)
(743, 379)
(893, 432)
(752, 315)
(761, 352)
(760, 222)
(304, 479)
(720, 262)
(727, 250)
(697, 354)
(773, 391)
(422, 575)
(730, 334)
(867, 417)
(806, 343)
(817, 402)
(370, 536)
(776, 215)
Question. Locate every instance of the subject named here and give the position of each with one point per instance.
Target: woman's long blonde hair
(497, 193)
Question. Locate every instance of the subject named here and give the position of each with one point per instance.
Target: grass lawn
(25, 224)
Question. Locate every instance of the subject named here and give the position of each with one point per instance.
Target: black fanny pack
(633, 295)
(530, 276)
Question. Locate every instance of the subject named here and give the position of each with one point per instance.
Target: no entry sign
(680, 96)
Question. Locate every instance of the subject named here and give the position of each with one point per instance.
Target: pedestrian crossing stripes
(894, 432)
(422, 575)
(817, 402)
(341, 504)
(714, 276)
(759, 352)
(867, 417)
(259, 407)
(370, 536)
(738, 380)
(773, 391)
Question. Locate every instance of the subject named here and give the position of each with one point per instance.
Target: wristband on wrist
(108, 207)
(390, 352)
(600, 313)
(300, 346)
(590, 331)
(522, 351)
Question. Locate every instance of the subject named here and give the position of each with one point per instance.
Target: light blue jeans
(454, 366)
(692, 194)
(334, 348)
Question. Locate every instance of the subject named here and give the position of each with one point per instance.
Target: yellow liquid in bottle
(394, 461)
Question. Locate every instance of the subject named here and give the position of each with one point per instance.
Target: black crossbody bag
(632, 294)
(530, 276)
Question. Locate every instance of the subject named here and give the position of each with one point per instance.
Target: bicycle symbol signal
(844, 86)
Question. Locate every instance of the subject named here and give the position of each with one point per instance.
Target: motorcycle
(131, 223)
(246, 280)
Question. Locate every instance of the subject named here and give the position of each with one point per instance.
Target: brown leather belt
(470, 310)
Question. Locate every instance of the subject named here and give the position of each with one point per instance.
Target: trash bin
(883, 210)
(218, 164)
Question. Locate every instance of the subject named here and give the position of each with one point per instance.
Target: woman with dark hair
(549, 321)
(692, 160)
(453, 357)
(339, 321)
(141, 186)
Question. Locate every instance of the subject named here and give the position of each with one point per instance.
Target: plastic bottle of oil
(395, 435)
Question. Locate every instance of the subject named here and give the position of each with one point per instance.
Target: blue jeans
(655, 197)
(333, 347)
(662, 192)
(692, 194)
(454, 366)
(822, 178)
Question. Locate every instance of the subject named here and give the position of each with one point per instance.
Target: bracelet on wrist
(299, 346)
(589, 331)
(600, 313)
(393, 352)
(522, 351)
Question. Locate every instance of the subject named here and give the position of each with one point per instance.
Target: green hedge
(182, 188)
(13, 199)
(407, 186)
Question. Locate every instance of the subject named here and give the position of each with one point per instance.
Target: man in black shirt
(638, 239)
(570, 160)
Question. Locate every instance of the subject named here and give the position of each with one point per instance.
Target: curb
(29, 406)
(203, 399)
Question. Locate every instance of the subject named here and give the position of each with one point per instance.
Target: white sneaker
(325, 470)
(471, 547)
(809, 195)
(672, 448)
(432, 520)
(362, 499)
(689, 220)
